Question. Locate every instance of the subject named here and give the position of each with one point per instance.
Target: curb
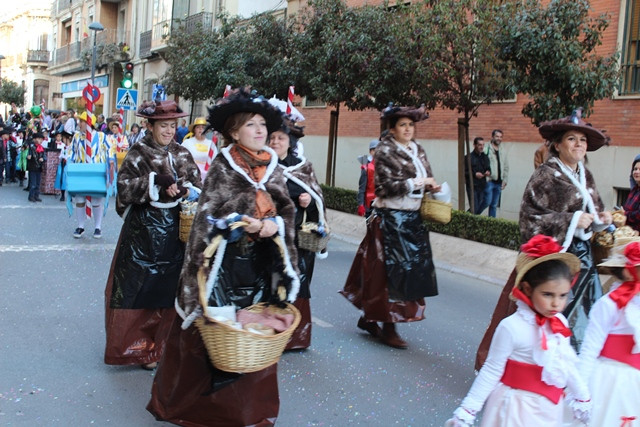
(480, 261)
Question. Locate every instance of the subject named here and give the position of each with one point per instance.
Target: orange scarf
(255, 165)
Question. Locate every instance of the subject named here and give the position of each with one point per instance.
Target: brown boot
(390, 337)
(371, 327)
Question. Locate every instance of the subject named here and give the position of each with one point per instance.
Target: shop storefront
(72, 94)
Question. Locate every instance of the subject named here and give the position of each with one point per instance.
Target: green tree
(457, 41)
(552, 50)
(12, 92)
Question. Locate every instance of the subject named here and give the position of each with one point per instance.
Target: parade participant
(139, 298)
(306, 194)
(393, 269)
(561, 200)
(199, 145)
(116, 137)
(182, 131)
(23, 149)
(95, 150)
(531, 360)
(366, 184)
(65, 155)
(134, 135)
(5, 133)
(244, 181)
(610, 352)
(35, 160)
(632, 205)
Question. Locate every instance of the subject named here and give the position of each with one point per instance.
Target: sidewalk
(478, 260)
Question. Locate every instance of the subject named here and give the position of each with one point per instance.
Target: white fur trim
(190, 186)
(288, 268)
(571, 231)
(305, 187)
(165, 205)
(270, 168)
(154, 191)
(322, 255)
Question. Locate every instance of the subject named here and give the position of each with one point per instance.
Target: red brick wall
(620, 117)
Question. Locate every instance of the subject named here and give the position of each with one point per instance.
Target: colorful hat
(83, 116)
(541, 249)
(198, 122)
(242, 101)
(417, 114)
(595, 138)
(160, 110)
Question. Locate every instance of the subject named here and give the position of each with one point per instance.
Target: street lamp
(1, 58)
(95, 27)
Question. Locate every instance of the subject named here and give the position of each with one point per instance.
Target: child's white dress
(517, 357)
(610, 362)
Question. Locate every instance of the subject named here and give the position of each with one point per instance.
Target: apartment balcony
(630, 81)
(202, 20)
(66, 54)
(145, 44)
(38, 56)
(59, 7)
(162, 30)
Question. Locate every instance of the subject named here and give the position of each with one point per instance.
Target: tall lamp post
(95, 27)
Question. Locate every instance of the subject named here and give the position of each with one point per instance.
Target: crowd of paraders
(562, 347)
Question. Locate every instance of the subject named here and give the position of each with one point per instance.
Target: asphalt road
(52, 338)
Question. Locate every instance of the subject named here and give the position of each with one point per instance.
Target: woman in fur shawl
(244, 181)
(561, 200)
(306, 194)
(155, 176)
(393, 269)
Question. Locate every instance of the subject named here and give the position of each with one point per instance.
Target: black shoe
(25, 189)
(32, 199)
(78, 233)
(38, 199)
(97, 234)
(21, 184)
(62, 198)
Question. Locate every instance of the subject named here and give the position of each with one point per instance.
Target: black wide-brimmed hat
(242, 101)
(417, 114)
(595, 138)
(160, 110)
(37, 135)
(6, 131)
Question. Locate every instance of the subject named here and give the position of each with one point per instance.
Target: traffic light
(127, 79)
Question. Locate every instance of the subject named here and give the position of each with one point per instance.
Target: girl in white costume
(610, 353)
(530, 360)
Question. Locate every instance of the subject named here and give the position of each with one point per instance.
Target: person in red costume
(366, 184)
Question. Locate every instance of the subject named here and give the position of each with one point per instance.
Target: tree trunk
(463, 136)
(330, 178)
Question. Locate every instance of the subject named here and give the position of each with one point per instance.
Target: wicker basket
(186, 221)
(435, 211)
(309, 239)
(237, 350)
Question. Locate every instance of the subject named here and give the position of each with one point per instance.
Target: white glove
(461, 418)
(456, 422)
(581, 410)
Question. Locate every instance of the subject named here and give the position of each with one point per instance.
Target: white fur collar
(270, 168)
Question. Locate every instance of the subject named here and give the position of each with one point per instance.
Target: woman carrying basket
(243, 185)
(139, 299)
(393, 269)
(306, 194)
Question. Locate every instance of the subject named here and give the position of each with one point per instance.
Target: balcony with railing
(630, 80)
(162, 30)
(71, 54)
(40, 56)
(61, 6)
(145, 44)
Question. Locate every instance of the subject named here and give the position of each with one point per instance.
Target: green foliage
(493, 231)
(12, 93)
(107, 55)
(553, 52)
(340, 199)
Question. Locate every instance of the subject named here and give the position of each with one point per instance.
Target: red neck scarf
(557, 327)
(626, 291)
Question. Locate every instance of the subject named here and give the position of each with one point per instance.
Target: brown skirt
(366, 285)
(134, 336)
(301, 337)
(187, 390)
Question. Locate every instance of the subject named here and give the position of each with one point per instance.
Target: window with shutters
(630, 67)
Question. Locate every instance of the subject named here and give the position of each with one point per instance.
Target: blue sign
(77, 85)
(159, 93)
(127, 99)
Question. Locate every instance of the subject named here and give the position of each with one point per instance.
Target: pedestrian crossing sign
(127, 99)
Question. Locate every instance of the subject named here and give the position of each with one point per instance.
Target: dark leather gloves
(164, 181)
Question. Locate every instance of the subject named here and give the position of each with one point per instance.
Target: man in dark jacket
(481, 170)
(35, 160)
